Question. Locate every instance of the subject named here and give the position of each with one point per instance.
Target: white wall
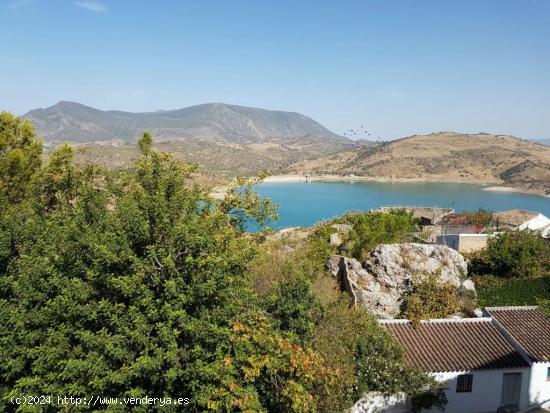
(486, 391)
(464, 242)
(539, 387)
(535, 223)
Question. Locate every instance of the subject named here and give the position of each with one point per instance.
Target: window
(548, 374)
(464, 383)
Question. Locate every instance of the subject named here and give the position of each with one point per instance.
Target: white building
(520, 219)
(502, 358)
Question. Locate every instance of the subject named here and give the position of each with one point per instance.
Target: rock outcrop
(380, 283)
(378, 402)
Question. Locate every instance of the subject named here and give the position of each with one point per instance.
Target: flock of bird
(361, 133)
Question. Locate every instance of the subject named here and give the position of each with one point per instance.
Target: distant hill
(444, 156)
(545, 142)
(222, 159)
(74, 122)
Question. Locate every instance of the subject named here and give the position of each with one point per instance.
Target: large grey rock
(380, 283)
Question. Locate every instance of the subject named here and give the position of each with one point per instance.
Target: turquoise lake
(304, 204)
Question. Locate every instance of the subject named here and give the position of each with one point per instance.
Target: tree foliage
(295, 307)
(370, 360)
(135, 287)
(374, 228)
(514, 254)
(135, 284)
(480, 217)
(430, 299)
(20, 156)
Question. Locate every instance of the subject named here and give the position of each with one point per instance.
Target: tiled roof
(455, 345)
(514, 217)
(529, 326)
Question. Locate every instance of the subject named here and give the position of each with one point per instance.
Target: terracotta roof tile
(529, 326)
(455, 345)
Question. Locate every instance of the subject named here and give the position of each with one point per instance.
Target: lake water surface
(303, 204)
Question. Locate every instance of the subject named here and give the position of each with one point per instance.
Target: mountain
(545, 142)
(444, 156)
(74, 122)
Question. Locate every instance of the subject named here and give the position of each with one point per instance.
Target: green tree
(295, 307)
(136, 286)
(20, 156)
(145, 143)
(244, 205)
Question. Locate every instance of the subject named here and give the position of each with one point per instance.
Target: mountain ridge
(79, 123)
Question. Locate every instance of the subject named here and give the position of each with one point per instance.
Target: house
(519, 219)
(499, 359)
(464, 243)
(528, 329)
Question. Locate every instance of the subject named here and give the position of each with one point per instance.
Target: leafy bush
(374, 228)
(515, 254)
(430, 299)
(500, 291)
(480, 217)
(370, 360)
(295, 307)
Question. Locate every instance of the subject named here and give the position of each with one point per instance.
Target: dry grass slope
(219, 158)
(445, 156)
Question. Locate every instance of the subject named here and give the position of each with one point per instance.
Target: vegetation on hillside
(501, 291)
(430, 299)
(514, 269)
(516, 254)
(444, 156)
(375, 228)
(480, 217)
(136, 284)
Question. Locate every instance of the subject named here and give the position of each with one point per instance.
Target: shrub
(518, 254)
(499, 291)
(374, 228)
(370, 360)
(480, 217)
(295, 307)
(430, 299)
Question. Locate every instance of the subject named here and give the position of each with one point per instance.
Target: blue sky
(401, 67)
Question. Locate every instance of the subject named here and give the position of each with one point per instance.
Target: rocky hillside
(219, 158)
(481, 158)
(74, 122)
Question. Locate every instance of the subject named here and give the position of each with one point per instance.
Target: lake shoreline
(494, 186)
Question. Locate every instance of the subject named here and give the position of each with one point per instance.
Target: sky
(398, 67)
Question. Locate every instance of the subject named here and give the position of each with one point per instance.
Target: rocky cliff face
(380, 283)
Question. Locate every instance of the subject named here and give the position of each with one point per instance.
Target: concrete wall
(539, 386)
(486, 391)
(464, 242)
